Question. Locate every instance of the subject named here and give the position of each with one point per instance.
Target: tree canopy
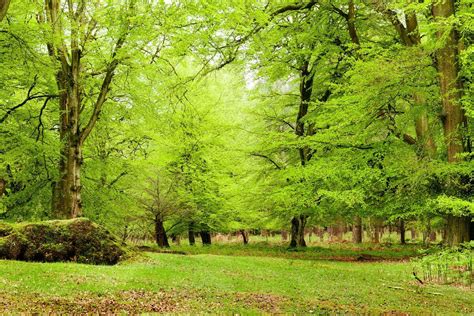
(166, 118)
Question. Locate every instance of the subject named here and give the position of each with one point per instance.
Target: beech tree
(285, 116)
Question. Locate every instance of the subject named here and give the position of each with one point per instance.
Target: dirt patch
(264, 302)
(127, 302)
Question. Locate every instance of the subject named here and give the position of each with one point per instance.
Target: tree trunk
(66, 200)
(294, 232)
(301, 230)
(453, 115)
(3, 187)
(357, 230)
(3, 8)
(67, 193)
(402, 232)
(191, 237)
(378, 231)
(244, 236)
(427, 232)
(458, 230)
(160, 233)
(205, 237)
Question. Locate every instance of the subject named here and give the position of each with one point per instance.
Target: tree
(76, 22)
(460, 228)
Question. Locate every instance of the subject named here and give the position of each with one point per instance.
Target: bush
(78, 240)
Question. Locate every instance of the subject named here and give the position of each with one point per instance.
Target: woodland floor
(234, 279)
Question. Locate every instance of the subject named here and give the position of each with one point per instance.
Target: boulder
(79, 240)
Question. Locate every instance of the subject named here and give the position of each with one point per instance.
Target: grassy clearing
(224, 284)
(339, 252)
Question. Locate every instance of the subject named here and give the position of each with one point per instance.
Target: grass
(339, 252)
(254, 281)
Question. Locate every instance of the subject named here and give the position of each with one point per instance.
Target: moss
(5, 229)
(13, 246)
(78, 240)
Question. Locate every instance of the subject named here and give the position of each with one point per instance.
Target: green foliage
(206, 98)
(448, 266)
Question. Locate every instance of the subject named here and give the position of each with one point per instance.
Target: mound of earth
(78, 240)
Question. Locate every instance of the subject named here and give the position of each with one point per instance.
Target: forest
(237, 156)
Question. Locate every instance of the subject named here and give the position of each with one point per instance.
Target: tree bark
(67, 195)
(294, 232)
(378, 231)
(402, 232)
(301, 230)
(458, 230)
(245, 238)
(160, 233)
(191, 237)
(205, 237)
(357, 230)
(3, 8)
(453, 115)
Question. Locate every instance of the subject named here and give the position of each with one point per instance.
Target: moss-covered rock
(5, 229)
(78, 240)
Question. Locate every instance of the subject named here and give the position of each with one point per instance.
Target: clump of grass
(448, 266)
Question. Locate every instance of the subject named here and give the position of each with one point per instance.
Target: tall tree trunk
(402, 232)
(357, 230)
(301, 230)
(378, 230)
(306, 90)
(424, 137)
(458, 230)
(245, 238)
(294, 232)
(66, 201)
(191, 236)
(160, 233)
(3, 8)
(453, 116)
(205, 237)
(67, 195)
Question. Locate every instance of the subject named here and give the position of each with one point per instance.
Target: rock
(79, 240)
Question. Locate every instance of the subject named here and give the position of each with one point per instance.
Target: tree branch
(109, 74)
(28, 98)
(267, 158)
(40, 127)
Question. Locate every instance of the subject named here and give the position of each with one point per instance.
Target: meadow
(231, 278)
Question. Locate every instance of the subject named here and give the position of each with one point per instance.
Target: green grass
(339, 251)
(225, 284)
